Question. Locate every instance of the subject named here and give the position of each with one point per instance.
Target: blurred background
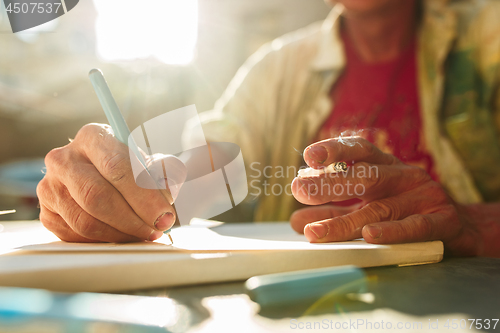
(157, 55)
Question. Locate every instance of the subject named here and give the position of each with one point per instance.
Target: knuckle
(370, 148)
(56, 158)
(54, 224)
(368, 177)
(420, 175)
(116, 166)
(423, 227)
(41, 189)
(363, 142)
(83, 134)
(89, 132)
(50, 193)
(45, 220)
(85, 226)
(451, 216)
(382, 210)
(344, 225)
(375, 179)
(439, 196)
(90, 129)
(94, 194)
(413, 176)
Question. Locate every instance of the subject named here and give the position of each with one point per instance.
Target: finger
(349, 149)
(365, 181)
(56, 224)
(96, 200)
(57, 199)
(443, 225)
(300, 218)
(88, 201)
(89, 227)
(112, 161)
(414, 228)
(350, 226)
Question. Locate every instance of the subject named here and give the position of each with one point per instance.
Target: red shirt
(379, 101)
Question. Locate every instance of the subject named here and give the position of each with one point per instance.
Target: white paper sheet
(198, 237)
(31, 257)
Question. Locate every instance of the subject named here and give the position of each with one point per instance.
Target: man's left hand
(403, 203)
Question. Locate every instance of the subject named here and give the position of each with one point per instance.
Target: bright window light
(165, 29)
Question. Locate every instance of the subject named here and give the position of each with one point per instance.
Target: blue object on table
(23, 309)
(299, 286)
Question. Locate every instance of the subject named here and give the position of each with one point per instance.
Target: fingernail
(318, 154)
(319, 229)
(155, 235)
(165, 221)
(374, 231)
(309, 186)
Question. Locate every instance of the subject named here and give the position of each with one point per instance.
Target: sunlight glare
(164, 29)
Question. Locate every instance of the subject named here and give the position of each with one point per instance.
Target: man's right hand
(89, 193)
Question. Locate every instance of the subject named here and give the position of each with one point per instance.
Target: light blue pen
(115, 118)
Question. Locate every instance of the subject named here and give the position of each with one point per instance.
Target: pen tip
(171, 240)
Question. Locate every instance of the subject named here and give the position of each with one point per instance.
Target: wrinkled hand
(403, 203)
(89, 193)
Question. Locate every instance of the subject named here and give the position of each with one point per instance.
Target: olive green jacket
(279, 99)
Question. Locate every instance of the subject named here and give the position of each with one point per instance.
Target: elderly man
(417, 79)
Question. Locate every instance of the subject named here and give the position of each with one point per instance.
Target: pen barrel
(109, 106)
(113, 114)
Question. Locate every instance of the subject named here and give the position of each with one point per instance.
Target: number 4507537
(33, 7)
